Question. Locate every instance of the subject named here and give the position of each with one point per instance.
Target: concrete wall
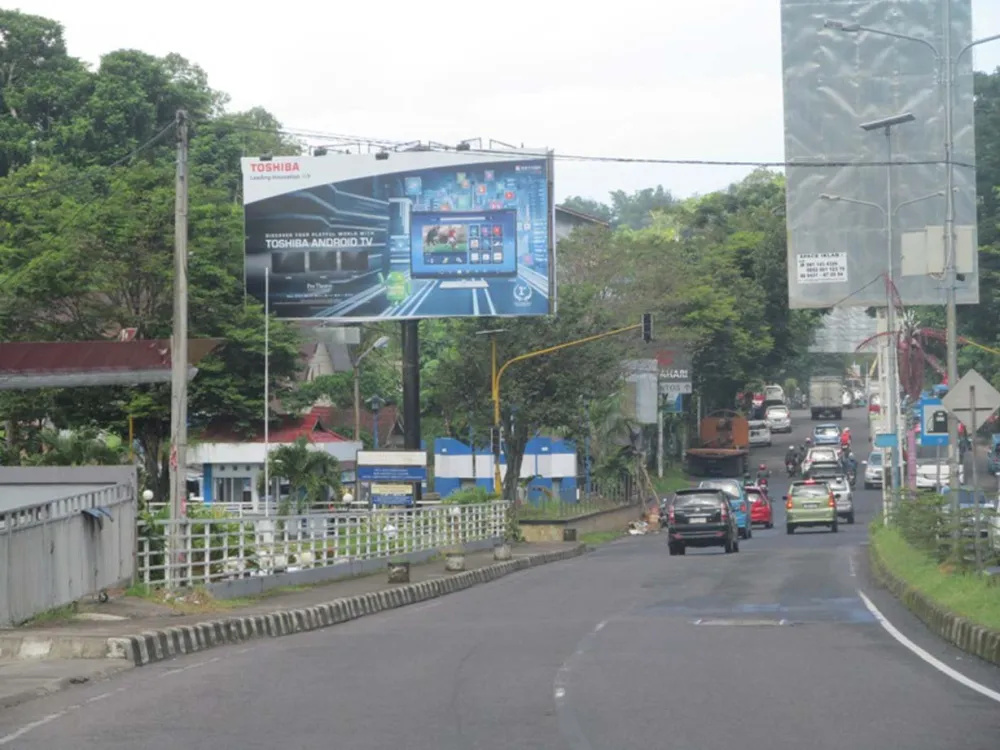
(617, 519)
(56, 552)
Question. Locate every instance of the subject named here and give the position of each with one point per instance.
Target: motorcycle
(792, 468)
(762, 483)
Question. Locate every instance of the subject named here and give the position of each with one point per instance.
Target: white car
(778, 419)
(927, 475)
(759, 433)
(874, 470)
(824, 454)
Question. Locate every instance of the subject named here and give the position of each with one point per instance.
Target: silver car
(778, 419)
(843, 496)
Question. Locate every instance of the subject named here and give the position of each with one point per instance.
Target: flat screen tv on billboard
(420, 234)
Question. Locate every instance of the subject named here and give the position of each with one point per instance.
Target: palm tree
(80, 448)
(313, 475)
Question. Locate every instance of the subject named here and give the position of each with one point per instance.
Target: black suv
(701, 517)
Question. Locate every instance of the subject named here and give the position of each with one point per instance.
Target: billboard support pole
(267, 391)
(179, 350)
(411, 387)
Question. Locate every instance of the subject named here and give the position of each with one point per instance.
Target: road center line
(30, 727)
(927, 657)
(569, 727)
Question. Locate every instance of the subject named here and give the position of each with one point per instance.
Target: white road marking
(569, 727)
(30, 727)
(850, 563)
(925, 656)
(190, 666)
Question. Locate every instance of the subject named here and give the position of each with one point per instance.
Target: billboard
(401, 235)
(834, 81)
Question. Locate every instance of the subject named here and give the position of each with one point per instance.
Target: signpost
(973, 400)
(933, 429)
(391, 477)
(674, 379)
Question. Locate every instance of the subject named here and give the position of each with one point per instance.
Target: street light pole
(380, 343)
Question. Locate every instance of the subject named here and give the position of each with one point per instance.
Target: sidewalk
(129, 631)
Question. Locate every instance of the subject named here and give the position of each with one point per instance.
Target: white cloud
(628, 78)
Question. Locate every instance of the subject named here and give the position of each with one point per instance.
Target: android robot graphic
(397, 286)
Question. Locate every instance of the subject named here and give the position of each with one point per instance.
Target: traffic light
(647, 327)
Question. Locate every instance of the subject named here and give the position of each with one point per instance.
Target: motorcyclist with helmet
(792, 459)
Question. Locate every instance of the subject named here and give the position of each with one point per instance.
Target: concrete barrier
(971, 638)
(556, 529)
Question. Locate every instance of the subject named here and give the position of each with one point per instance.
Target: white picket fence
(227, 546)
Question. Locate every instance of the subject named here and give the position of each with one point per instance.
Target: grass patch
(52, 616)
(966, 594)
(673, 479)
(597, 538)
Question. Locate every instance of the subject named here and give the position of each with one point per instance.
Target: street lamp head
(381, 342)
(888, 122)
(850, 28)
(828, 197)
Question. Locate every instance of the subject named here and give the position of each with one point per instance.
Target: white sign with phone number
(822, 268)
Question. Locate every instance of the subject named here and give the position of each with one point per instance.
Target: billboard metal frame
(834, 82)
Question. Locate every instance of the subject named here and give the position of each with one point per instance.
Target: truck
(826, 396)
(723, 448)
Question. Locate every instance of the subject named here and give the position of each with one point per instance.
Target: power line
(592, 158)
(79, 180)
(857, 291)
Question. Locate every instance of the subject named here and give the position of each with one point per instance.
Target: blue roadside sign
(933, 423)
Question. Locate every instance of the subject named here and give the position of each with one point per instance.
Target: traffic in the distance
(726, 501)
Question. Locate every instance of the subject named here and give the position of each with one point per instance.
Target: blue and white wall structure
(552, 463)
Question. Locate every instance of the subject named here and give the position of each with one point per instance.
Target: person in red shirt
(845, 438)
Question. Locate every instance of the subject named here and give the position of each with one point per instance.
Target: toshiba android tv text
(420, 234)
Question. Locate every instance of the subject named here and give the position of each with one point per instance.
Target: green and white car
(810, 503)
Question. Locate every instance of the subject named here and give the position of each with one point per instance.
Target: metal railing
(218, 546)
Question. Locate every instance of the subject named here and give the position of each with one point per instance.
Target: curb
(159, 645)
(63, 683)
(971, 638)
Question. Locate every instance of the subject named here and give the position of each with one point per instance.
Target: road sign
(675, 389)
(933, 423)
(886, 440)
(972, 388)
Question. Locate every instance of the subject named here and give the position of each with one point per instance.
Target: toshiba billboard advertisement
(415, 234)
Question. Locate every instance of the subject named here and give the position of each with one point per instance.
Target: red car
(760, 506)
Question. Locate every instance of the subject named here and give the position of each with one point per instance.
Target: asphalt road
(623, 648)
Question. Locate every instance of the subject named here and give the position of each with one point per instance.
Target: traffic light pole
(647, 334)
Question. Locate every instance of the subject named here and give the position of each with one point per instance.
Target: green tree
(79, 448)
(86, 232)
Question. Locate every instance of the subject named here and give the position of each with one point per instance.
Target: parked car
(760, 506)
(760, 435)
(701, 517)
(928, 471)
(737, 502)
(778, 419)
(810, 503)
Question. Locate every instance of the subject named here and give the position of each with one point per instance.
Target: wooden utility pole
(179, 350)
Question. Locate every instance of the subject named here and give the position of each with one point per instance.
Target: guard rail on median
(214, 546)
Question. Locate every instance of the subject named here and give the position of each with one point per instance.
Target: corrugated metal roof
(25, 358)
(287, 430)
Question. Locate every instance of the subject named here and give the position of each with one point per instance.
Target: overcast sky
(688, 79)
